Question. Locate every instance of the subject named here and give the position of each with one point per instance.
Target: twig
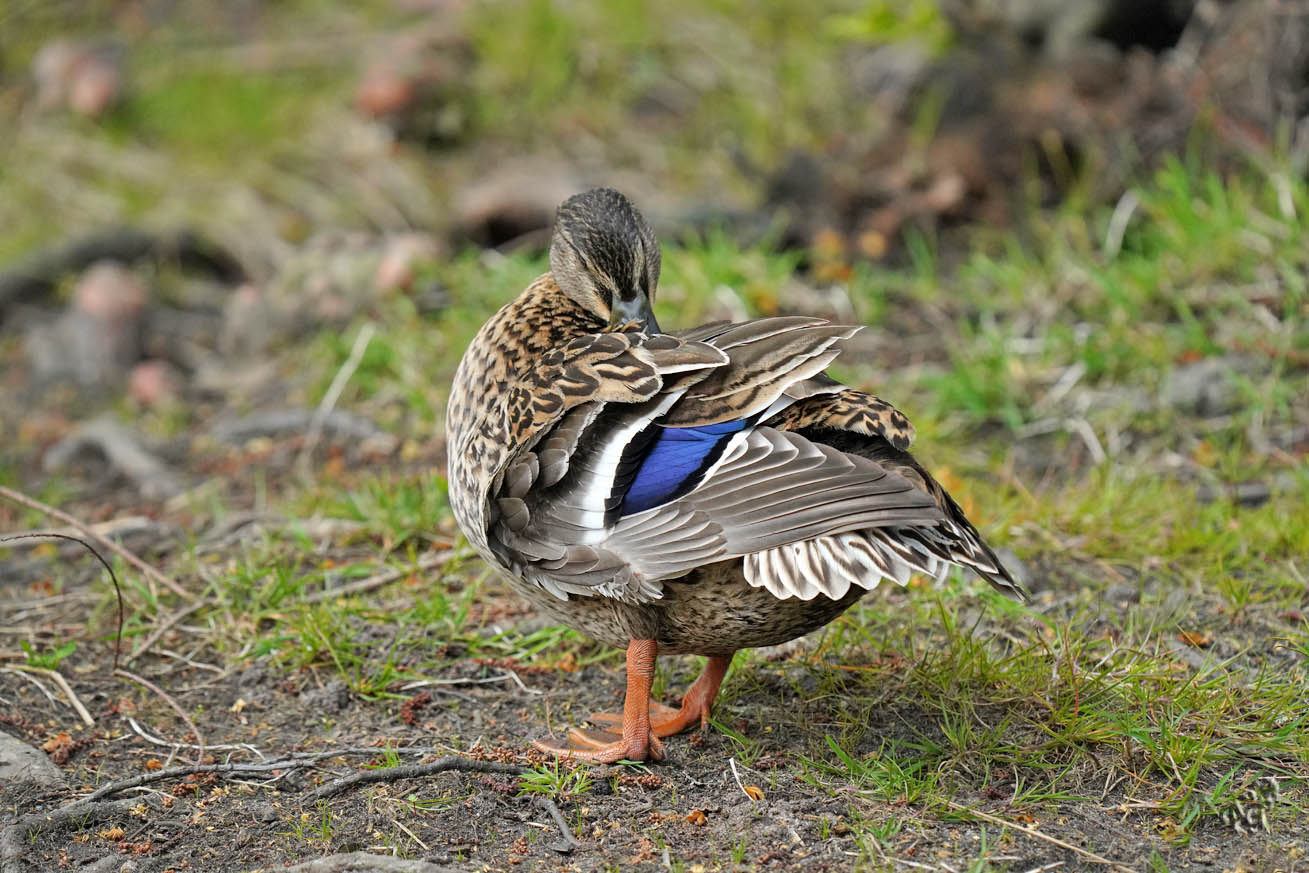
(1051, 866)
(123, 452)
(37, 682)
(128, 556)
(120, 527)
(63, 686)
(1083, 429)
(1122, 216)
(113, 577)
(160, 741)
(429, 561)
(281, 422)
(192, 662)
(570, 842)
(1033, 832)
(410, 771)
(173, 704)
(161, 628)
(289, 762)
(430, 683)
(518, 680)
(737, 776)
(413, 836)
(194, 769)
(332, 395)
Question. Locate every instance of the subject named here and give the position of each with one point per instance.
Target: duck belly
(710, 611)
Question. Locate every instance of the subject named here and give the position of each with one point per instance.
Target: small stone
(1206, 387)
(153, 382)
(96, 88)
(109, 290)
(19, 763)
(81, 76)
(1123, 593)
(513, 201)
(401, 258)
(101, 334)
(100, 337)
(331, 698)
(384, 91)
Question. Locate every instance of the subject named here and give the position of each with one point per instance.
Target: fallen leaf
(154, 764)
(754, 792)
(696, 817)
(56, 742)
(1199, 639)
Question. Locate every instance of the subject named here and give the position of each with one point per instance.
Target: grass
(556, 780)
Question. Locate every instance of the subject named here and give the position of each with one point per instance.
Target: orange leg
(638, 742)
(666, 721)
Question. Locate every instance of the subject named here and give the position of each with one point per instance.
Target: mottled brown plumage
(695, 492)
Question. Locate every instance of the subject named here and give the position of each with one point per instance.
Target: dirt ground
(703, 809)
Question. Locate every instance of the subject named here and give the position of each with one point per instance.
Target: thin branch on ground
(54, 701)
(127, 555)
(411, 771)
(1034, 833)
(123, 452)
(162, 627)
(170, 744)
(737, 776)
(569, 841)
(63, 686)
(173, 704)
(113, 577)
(286, 763)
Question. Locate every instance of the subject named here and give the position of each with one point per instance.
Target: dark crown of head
(606, 228)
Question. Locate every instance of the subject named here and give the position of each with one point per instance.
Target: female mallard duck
(689, 493)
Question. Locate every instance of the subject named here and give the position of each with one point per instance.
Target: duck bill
(636, 309)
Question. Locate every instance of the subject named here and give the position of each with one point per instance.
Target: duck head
(605, 257)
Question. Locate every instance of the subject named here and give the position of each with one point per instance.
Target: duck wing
(619, 496)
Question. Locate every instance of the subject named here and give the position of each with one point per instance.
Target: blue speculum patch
(676, 461)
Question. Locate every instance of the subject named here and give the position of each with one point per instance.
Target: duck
(693, 492)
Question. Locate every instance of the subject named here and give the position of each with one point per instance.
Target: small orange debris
(873, 244)
(754, 792)
(696, 817)
(57, 741)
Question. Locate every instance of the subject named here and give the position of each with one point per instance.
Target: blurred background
(256, 236)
